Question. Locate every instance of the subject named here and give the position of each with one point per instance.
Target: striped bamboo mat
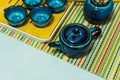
(104, 58)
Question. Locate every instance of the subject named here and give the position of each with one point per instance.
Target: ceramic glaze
(98, 10)
(56, 5)
(75, 39)
(16, 15)
(41, 16)
(32, 3)
(75, 35)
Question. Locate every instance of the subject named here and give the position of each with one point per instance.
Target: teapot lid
(75, 34)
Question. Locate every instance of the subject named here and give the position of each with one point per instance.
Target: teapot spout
(56, 45)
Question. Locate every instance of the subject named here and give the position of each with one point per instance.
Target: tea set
(39, 14)
(75, 39)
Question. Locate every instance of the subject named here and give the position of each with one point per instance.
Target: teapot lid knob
(76, 30)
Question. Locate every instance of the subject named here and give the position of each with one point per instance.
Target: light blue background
(19, 61)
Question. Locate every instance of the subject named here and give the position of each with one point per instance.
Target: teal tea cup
(41, 16)
(16, 15)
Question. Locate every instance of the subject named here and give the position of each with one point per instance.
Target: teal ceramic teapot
(75, 39)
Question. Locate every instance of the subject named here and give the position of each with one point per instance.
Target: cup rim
(65, 1)
(17, 7)
(38, 7)
(31, 5)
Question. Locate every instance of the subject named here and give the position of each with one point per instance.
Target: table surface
(19, 61)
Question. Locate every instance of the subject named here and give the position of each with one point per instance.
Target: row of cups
(40, 15)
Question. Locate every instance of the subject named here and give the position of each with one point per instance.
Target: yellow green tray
(43, 34)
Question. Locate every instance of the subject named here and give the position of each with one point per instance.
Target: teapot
(98, 11)
(75, 39)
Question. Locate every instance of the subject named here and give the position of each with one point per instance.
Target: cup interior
(56, 3)
(40, 14)
(15, 13)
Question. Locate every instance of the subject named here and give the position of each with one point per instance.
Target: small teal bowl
(56, 5)
(32, 3)
(41, 16)
(15, 15)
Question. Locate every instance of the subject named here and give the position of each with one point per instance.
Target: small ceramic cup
(56, 5)
(41, 16)
(32, 3)
(16, 15)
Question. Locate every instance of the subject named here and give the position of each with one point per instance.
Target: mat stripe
(117, 73)
(107, 49)
(109, 57)
(103, 42)
(98, 44)
(91, 53)
(115, 58)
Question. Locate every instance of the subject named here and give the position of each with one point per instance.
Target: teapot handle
(96, 31)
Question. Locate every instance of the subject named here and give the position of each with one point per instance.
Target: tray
(42, 34)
